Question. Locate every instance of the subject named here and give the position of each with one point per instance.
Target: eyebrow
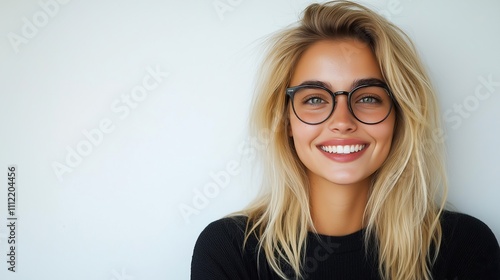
(355, 83)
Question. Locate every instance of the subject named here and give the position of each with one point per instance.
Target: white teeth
(346, 149)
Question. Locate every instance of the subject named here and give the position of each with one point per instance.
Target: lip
(352, 156)
(339, 141)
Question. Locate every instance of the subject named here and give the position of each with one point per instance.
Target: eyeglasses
(314, 104)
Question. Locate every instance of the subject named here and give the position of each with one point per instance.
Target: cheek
(303, 136)
(297, 131)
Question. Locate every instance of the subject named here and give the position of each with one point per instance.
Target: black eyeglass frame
(290, 92)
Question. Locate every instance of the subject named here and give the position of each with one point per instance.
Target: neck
(338, 210)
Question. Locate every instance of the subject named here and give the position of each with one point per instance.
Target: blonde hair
(402, 213)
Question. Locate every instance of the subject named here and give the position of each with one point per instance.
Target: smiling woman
(353, 188)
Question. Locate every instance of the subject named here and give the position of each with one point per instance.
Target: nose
(341, 120)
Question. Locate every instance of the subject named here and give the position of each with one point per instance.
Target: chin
(350, 177)
(343, 180)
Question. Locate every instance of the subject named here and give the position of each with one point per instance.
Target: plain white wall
(168, 86)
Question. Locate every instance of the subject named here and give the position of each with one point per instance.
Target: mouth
(343, 149)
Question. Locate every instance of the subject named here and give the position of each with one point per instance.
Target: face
(339, 65)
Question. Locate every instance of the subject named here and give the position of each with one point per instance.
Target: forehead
(336, 62)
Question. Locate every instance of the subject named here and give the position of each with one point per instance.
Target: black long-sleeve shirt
(469, 250)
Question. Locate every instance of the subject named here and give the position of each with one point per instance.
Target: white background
(116, 215)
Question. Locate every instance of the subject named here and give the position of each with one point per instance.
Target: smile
(343, 149)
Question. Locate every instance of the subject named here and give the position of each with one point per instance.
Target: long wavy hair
(408, 192)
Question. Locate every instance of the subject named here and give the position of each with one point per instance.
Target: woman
(354, 182)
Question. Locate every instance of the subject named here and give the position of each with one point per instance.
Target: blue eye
(369, 99)
(314, 101)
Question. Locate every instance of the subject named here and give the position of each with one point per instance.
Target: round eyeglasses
(314, 104)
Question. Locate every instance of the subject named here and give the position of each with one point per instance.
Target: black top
(469, 250)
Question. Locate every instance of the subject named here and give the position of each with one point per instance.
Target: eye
(369, 99)
(314, 100)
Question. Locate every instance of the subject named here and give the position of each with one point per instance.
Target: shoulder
(468, 248)
(462, 226)
(219, 252)
(224, 234)
(228, 226)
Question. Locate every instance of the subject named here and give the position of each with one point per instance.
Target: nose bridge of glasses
(342, 92)
(338, 93)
